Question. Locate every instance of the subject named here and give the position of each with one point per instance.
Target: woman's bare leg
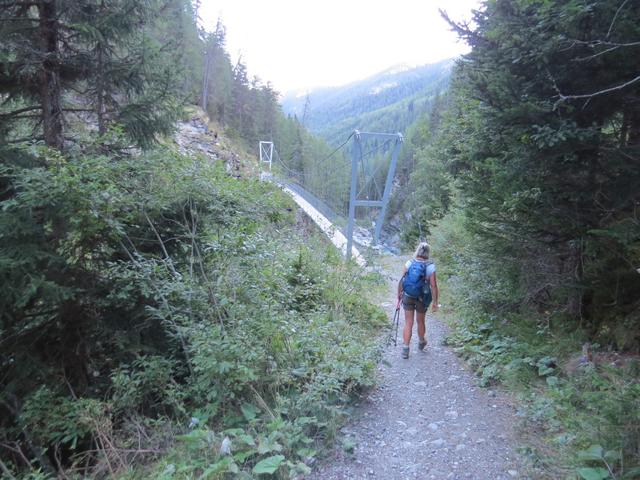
(408, 326)
(422, 330)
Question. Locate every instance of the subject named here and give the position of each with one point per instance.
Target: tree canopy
(540, 149)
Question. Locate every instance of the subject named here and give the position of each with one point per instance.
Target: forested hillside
(387, 102)
(156, 307)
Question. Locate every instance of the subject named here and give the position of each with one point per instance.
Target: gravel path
(426, 419)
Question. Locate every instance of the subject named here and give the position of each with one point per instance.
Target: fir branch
(599, 92)
(19, 111)
(615, 17)
(26, 139)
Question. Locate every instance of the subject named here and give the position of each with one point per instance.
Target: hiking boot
(422, 344)
(405, 352)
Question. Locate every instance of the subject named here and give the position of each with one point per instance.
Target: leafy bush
(589, 408)
(147, 293)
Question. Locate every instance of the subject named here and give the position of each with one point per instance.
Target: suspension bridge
(347, 196)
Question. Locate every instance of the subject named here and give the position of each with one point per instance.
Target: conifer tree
(218, 76)
(547, 151)
(95, 60)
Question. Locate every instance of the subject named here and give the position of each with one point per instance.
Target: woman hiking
(417, 288)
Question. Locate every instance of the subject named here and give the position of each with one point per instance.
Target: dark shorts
(420, 305)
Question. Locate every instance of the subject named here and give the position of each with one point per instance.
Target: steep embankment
(197, 136)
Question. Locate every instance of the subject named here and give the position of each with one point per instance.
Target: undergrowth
(580, 411)
(170, 321)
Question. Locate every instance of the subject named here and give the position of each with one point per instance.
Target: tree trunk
(634, 127)
(50, 88)
(205, 80)
(576, 294)
(102, 126)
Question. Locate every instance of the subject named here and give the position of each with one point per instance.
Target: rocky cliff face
(198, 136)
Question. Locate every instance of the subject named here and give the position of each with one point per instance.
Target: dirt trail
(427, 419)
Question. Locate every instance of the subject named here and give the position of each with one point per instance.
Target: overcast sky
(297, 44)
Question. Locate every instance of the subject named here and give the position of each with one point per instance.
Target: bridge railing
(339, 221)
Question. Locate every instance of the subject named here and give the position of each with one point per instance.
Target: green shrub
(591, 408)
(166, 293)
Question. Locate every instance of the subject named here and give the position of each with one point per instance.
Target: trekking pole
(396, 317)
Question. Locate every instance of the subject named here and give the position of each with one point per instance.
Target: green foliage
(59, 420)
(533, 160)
(157, 288)
(524, 163)
(429, 191)
(572, 409)
(573, 403)
(268, 465)
(114, 68)
(151, 299)
(147, 386)
(525, 184)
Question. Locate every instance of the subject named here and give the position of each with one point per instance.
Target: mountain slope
(388, 101)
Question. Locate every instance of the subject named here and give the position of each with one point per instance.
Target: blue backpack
(415, 283)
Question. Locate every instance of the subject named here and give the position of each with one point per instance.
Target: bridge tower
(266, 153)
(354, 201)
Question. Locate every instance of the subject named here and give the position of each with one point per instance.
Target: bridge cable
(376, 170)
(294, 178)
(316, 164)
(298, 176)
(332, 153)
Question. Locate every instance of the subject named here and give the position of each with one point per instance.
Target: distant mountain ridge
(388, 101)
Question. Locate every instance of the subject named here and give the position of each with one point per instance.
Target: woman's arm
(434, 292)
(404, 272)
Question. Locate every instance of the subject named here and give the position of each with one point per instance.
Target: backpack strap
(428, 263)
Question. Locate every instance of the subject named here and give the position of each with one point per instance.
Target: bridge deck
(333, 232)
